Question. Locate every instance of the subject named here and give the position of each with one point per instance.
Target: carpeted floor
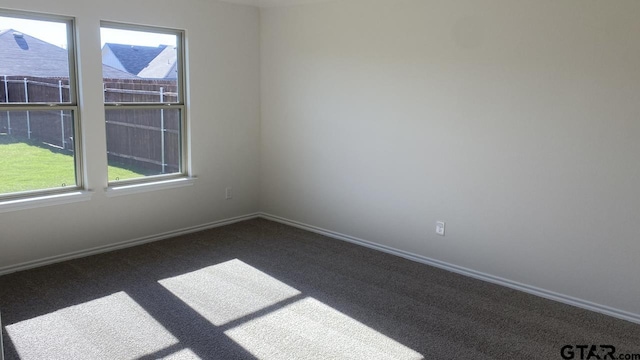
(259, 289)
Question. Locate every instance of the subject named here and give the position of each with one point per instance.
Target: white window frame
(183, 171)
(71, 106)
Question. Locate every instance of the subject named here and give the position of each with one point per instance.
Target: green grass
(119, 173)
(26, 166)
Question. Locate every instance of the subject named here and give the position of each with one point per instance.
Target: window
(144, 102)
(39, 143)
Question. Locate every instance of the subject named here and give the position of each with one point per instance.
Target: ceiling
(273, 3)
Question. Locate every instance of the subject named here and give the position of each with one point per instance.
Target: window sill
(120, 190)
(46, 200)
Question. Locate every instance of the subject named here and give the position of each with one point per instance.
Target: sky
(55, 33)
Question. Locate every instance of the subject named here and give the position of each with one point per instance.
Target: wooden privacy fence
(53, 127)
(144, 138)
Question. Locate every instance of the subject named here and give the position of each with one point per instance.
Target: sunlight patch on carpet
(185, 354)
(228, 291)
(112, 327)
(309, 329)
(263, 315)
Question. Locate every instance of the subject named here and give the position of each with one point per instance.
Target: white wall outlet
(228, 193)
(440, 228)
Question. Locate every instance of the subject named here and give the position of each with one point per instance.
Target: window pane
(143, 142)
(34, 61)
(36, 150)
(139, 66)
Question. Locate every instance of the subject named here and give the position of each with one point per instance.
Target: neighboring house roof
(109, 72)
(173, 72)
(163, 66)
(25, 55)
(134, 58)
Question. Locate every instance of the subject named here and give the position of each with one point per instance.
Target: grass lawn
(28, 166)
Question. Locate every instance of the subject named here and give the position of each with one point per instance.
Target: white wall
(516, 122)
(223, 64)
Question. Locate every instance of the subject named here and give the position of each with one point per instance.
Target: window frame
(71, 106)
(179, 105)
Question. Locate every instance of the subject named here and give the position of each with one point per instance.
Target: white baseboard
(570, 300)
(1, 344)
(122, 245)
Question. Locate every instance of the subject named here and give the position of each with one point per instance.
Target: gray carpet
(262, 290)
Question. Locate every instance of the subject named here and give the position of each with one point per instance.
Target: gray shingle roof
(163, 66)
(134, 58)
(25, 55)
(109, 72)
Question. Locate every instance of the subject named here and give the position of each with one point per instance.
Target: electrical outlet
(228, 193)
(440, 228)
